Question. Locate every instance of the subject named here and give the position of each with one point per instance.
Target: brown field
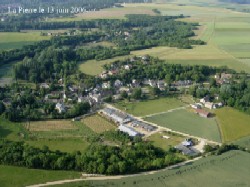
(110, 13)
(98, 124)
(51, 125)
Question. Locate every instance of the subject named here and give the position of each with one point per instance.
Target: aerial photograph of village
(124, 93)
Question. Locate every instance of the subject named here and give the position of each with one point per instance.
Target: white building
(60, 107)
(44, 85)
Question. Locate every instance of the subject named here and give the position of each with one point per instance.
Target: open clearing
(214, 171)
(158, 140)
(66, 140)
(12, 176)
(12, 40)
(98, 124)
(144, 108)
(188, 122)
(95, 67)
(65, 145)
(233, 124)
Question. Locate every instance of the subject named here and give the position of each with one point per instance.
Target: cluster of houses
(65, 33)
(126, 123)
(205, 103)
(223, 78)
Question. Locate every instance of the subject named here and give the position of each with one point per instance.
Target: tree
(137, 93)
(2, 108)
(124, 95)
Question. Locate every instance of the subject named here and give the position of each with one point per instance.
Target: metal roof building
(130, 131)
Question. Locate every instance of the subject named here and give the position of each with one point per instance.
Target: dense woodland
(110, 160)
(47, 57)
(160, 70)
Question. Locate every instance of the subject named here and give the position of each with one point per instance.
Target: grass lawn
(233, 124)
(63, 144)
(11, 131)
(144, 108)
(11, 176)
(188, 122)
(66, 140)
(95, 67)
(227, 170)
(159, 141)
(98, 124)
(10, 40)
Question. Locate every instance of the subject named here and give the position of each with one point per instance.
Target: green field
(188, 122)
(227, 170)
(144, 108)
(57, 139)
(11, 176)
(98, 124)
(233, 124)
(11, 40)
(244, 142)
(158, 140)
(95, 67)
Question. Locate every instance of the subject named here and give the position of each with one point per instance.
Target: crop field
(98, 124)
(188, 122)
(227, 170)
(144, 108)
(233, 124)
(159, 141)
(51, 125)
(109, 13)
(12, 176)
(10, 40)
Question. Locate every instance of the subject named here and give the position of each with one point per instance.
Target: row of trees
(96, 159)
(158, 70)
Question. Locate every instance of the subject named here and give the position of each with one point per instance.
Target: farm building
(116, 116)
(209, 105)
(143, 125)
(187, 143)
(202, 113)
(205, 99)
(196, 106)
(189, 151)
(130, 131)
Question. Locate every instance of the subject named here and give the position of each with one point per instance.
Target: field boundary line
(159, 113)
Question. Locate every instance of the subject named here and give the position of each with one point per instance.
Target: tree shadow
(4, 132)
